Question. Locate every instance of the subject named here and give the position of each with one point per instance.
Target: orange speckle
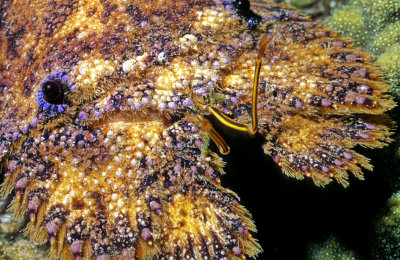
(373, 76)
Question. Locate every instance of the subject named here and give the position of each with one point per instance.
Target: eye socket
(53, 92)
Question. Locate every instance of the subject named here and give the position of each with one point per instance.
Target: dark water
(291, 214)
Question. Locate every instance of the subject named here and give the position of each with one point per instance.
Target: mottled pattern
(117, 166)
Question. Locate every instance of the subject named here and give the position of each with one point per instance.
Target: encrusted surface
(113, 164)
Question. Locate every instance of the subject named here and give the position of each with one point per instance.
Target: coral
(390, 62)
(384, 39)
(374, 26)
(13, 245)
(318, 9)
(381, 12)
(20, 248)
(386, 237)
(330, 249)
(349, 20)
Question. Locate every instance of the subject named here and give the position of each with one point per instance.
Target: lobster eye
(52, 95)
(53, 92)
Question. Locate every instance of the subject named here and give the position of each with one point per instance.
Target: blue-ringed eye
(52, 94)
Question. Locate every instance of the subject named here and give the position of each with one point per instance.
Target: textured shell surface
(98, 100)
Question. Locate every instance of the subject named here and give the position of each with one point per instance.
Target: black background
(291, 214)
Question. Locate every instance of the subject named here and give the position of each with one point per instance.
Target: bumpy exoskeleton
(104, 108)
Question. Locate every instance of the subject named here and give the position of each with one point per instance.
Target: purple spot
(298, 104)
(199, 144)
(347, 156)
(145, 234)
(325, 103)
(65, 77)
(150, 162)
(360, 99)
(369, 126)
(11, 165)
(236, 250)
(187, 102)
(15, 135)
(155, 206)
(46, 106)
(243, 231)
(363, 89)
(60, 109)
(329, 88)
(143, 23)
(33, 204)
(351, 57)
(21, 184)
(338, 44)
(138, 105)
(103, 257)
(172, 105)
(177, 168)
(83, 115)
(51, 227)
(40, 167)
(75, 247)
(360, 73)
(364, 136)
(145, 100)
(34, 122)
(338, 163)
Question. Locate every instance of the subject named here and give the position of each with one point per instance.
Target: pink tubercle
(76, 247)
(11, 165)
(104, 257)
(347, 156)
(236, 250)
(21, 184)
(338, 163)
(360, 73)
(326, 103)
(277, 159)
(145, 234)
